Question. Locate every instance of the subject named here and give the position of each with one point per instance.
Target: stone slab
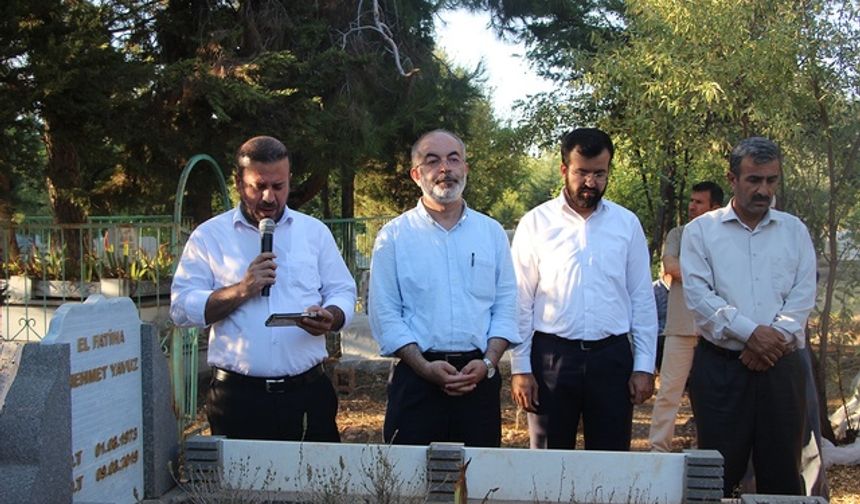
(704, 495)
(102, 337)
(705, 483)
(10, 358)
(35, 429)
(704, 457)
(160, 428)
(781, 499)
(704, 471)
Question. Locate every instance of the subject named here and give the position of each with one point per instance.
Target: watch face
(491, 369)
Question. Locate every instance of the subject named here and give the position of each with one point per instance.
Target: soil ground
(362, 409)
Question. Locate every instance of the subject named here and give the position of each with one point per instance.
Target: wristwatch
(491, 369)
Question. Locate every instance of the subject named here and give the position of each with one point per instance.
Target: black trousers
(242, 410)
(419, 412)
(576, 383)
(741, 412)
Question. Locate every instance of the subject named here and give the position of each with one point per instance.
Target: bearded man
(442, 299)
(586, 309)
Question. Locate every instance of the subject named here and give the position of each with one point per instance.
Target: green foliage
(135, 264)
(125, 92)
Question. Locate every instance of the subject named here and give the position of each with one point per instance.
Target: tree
(822, 139)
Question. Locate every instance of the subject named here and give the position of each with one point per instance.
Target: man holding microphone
(268, 382)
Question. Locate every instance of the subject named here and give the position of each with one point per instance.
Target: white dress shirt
(736, 278)
(444, 290)
(310, 271)
(584, 279)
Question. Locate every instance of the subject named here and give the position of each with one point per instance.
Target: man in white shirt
(268, 382)
(442, 299)
(585, 297)
(749, 277)
(680, 327)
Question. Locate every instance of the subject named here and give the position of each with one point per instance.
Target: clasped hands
(764, 347)
(451, 381)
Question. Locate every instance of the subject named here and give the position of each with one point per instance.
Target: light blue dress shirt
(445, 290)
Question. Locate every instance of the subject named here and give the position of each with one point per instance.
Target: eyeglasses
(451, 162)
(597, 176)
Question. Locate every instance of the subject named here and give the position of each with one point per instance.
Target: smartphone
(287, 319)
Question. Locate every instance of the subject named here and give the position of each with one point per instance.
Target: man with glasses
(442, 299)
(587, 314)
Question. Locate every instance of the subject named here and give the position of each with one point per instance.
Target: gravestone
(35, 425)
(160, 429)
(106, 397)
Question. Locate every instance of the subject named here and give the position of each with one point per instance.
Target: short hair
(414, 154)
(760, 149)
(711, 187)
(590, 142)
(260, 149)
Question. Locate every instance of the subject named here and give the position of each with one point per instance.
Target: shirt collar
(240, 220)
(422, 211)
(565, 208)
(730, 215)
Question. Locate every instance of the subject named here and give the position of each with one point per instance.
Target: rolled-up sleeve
(192, 285)
(385, 302)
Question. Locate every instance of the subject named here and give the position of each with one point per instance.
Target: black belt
(725, 352)
(585, 345)
(272, 385)
(456, 359)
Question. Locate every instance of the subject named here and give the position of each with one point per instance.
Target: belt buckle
(583, 345)
(269, 384)
(449, 357)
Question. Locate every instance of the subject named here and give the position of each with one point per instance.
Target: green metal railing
(51, 264)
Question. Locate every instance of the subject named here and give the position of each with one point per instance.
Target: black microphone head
(266, 226)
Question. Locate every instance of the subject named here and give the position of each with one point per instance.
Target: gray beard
(444, 196)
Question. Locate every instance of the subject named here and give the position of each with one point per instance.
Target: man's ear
(415, 173)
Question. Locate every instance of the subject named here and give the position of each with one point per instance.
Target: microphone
(267, 229)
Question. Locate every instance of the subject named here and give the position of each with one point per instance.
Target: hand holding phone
(288, 319)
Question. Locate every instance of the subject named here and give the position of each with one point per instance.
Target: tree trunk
(63, 178)
(347, 192)
(326, 201)
(8, 243)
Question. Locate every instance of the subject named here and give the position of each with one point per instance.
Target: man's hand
(446, 376)
(474, 371)
(260, 273)
(524, 391)
(753, 362)
(641, 386)
(222, 302)
(768, 343)
(318, 325)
